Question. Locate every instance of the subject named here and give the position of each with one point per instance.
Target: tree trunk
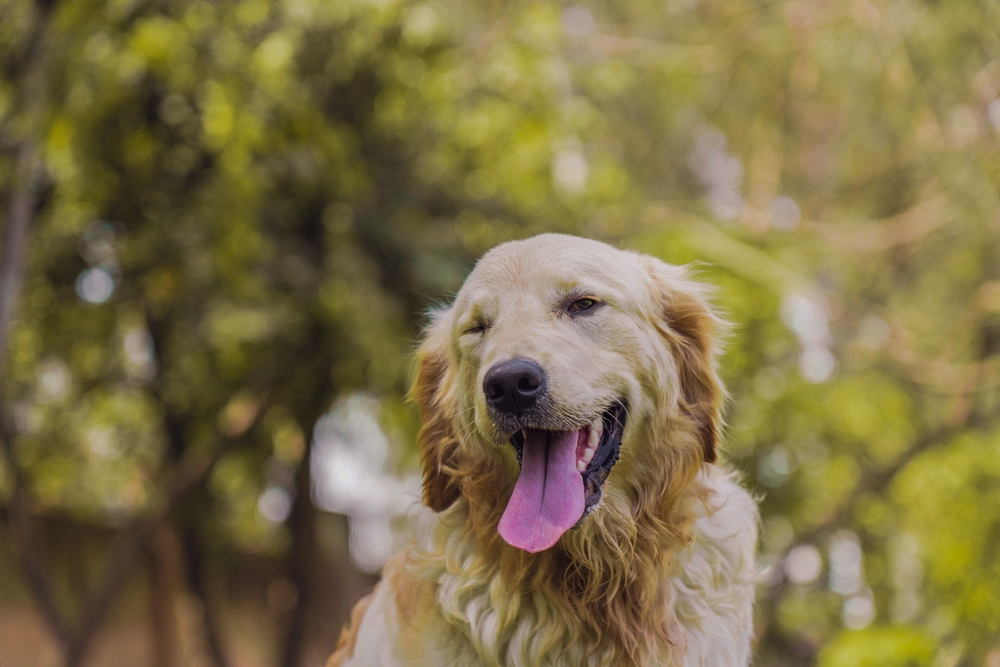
(302, 561)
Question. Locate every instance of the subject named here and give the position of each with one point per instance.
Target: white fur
(711, 585)
(376, 646)
(714, 586)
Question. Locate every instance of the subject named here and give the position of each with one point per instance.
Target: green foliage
(961, 565)
(895, 646)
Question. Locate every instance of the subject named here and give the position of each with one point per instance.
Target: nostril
(494, 391)
(528, 384)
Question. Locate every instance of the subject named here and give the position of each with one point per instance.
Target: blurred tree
(239, 211)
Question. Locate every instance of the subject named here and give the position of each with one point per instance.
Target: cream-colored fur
(662, 572)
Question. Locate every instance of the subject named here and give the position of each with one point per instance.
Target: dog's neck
(603, 590)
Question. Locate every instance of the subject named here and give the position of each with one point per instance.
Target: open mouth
(561, 480)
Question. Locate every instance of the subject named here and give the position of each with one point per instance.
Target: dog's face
(567, 372)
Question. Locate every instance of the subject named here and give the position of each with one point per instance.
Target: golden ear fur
(692, 330)
(437, 440)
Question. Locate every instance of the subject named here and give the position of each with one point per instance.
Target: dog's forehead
(550, 262)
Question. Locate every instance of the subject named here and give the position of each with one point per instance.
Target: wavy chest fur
(696, 607)
(491, 618)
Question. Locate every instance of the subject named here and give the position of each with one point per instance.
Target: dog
(578, 512)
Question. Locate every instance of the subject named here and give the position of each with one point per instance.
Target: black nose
(513, 386)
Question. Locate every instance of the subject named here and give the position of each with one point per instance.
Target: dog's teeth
(588, 455)
(593, 439)
(581, 465)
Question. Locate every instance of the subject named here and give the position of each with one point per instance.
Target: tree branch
(19, 214)
(194, 572)
(26, 546)
(302, 557)
(131, 542)
(194, 575)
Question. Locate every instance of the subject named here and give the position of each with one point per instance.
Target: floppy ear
(692, 330)
(437, 441)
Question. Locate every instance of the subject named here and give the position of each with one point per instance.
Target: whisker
(627, 415)
(614, 415)
(462, 412)
(468, 428)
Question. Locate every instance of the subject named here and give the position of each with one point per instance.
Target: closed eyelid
(477, 322)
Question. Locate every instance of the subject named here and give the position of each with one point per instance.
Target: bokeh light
(95, 285)
(803, 564)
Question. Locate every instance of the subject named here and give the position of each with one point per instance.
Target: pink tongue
(548, 499)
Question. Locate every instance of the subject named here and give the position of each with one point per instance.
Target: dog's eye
(581, 305)
(476, 328)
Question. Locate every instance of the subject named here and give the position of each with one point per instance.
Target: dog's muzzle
(563, 465)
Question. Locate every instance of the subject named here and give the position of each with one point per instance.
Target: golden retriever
(571, 422)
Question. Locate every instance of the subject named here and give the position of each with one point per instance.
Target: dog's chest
(473, 616)
(489, 623)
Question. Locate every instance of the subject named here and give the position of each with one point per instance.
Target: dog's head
(567, 379)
